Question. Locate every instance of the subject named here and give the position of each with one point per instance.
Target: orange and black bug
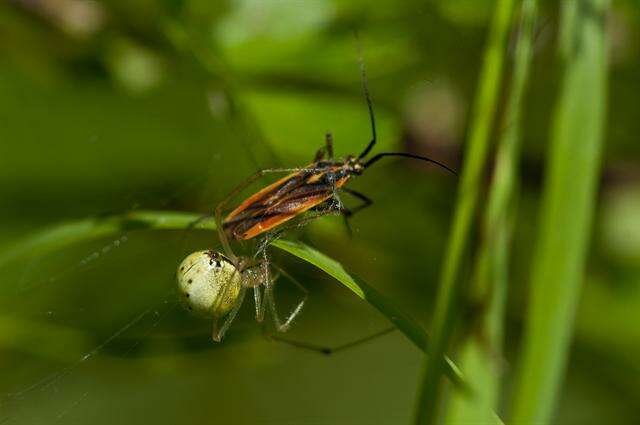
(303, 189)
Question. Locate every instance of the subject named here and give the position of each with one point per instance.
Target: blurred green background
(108, 107)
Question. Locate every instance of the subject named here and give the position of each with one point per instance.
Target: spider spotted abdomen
(209, 283)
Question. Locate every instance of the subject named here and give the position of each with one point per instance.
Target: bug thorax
(353, 165)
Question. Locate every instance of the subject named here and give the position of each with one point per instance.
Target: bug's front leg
(366, 201)
(328, 148)
(328, 141)
(347, 213)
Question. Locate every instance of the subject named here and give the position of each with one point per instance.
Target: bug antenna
(367, 97)
(379, 156)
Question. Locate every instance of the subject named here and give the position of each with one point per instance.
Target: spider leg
(257, 296)
(218, 332)
(259, 293)
(269, 298)
(324, 349)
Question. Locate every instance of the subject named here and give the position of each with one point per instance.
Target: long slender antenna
(379, 156)
(367, 97)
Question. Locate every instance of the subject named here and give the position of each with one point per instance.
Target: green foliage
(482, 352)
(62, 236)
(567, 210)
(117, 117)
(451, 281)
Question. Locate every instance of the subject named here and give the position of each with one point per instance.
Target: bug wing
(265, 197)
(278, 215)
(280, 201)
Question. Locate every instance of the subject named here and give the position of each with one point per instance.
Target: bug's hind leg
(330, 207)
(347, 213)
(347, 225)
(366, 201)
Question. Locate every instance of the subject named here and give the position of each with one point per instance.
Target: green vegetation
(567, 210)
(476, 152)
(515, 288)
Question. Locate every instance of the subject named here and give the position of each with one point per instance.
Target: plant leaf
(403, 322)
(57, 237)
(569, 201)
(451, 283)
(481, 352)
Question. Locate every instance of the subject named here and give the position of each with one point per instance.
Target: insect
(211, 284)
(304, 189)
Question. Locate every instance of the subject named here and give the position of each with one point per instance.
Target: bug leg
(366, 201)
(346, 214)
(218, 332)
(327, 148)
(328, 140)
(327, 350)
(269, 297)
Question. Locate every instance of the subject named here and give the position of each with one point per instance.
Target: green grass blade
(403, 322)
(470, 188)
(481, 353)
(567, 210)
(66, 234)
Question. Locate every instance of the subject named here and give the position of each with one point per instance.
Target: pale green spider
(210, 284)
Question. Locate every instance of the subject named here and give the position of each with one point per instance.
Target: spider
(211, 284)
